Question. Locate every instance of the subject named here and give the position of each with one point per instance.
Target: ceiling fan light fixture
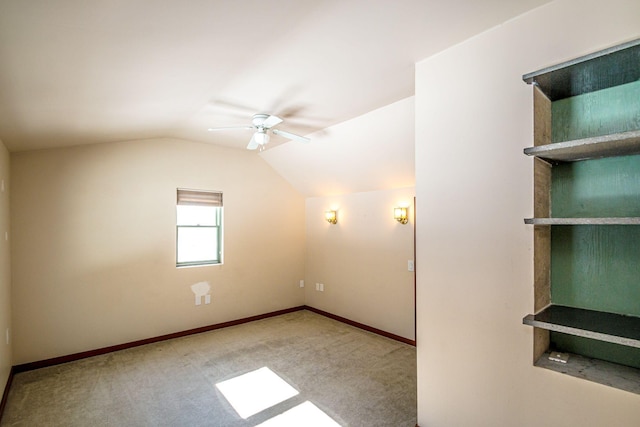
(261, 137)
(263, 123)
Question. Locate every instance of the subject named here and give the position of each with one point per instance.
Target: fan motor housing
(258, 119)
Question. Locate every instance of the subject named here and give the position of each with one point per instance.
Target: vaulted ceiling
(79, 72)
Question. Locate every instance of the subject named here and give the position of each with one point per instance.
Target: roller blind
(199, 198)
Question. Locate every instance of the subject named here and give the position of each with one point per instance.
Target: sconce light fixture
(331, 217)
(400, 214)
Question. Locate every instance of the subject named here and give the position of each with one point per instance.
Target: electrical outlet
(302, 283)
(410, 265)
(317, 286)
(321, 287)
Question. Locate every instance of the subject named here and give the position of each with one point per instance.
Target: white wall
(362, 260)
(5, 271)
(93, 244)
(474, 254)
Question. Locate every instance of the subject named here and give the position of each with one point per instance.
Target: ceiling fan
(262, 124)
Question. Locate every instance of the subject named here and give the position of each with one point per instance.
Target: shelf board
(583, 221)
(617, 144)
(598, 325)
(595, 370)
(600, 70)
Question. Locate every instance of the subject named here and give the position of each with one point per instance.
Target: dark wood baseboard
(5, 394)
(104, 350)
(361, 326)
(97, 352)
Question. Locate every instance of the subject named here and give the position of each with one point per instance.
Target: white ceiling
(88, 71)
(354, 156)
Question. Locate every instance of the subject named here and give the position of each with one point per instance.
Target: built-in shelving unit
(587, 212)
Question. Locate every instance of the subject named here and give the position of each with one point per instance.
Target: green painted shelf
(618, 144)
(583, 221)
(599, 371)
(598, 325)
(607, 68)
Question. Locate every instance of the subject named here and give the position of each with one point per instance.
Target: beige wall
(362, 260)
(93, 243)
(474, 254)
(5, 271)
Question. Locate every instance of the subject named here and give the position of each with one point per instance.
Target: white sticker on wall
(201, 289)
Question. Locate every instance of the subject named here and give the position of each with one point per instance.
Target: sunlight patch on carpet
(255, 391)
(306, 414)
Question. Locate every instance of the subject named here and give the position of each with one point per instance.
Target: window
(199, 227)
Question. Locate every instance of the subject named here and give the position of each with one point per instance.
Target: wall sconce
(331, 217)
(400, 214)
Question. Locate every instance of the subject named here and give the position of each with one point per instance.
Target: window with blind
(198, 227)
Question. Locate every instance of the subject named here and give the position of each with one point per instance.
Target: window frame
(208, 198)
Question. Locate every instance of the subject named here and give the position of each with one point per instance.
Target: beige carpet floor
(356, 378)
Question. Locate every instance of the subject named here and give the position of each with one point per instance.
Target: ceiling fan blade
(229, 128)
(290, 135)
(271, 121)
(253, 144)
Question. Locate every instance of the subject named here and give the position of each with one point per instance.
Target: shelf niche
(586, 215)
